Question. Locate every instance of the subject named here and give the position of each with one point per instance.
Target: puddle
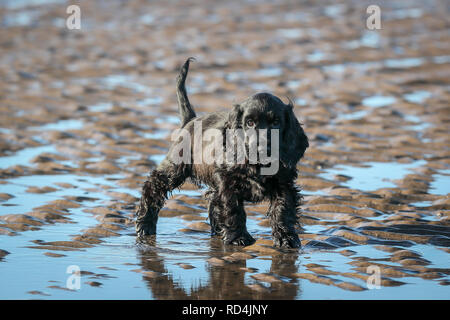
(353, 115)
(292, 33)
(352, 67)
(404, 63)
(147, 19)
(22, 18)
(314, 193)
(419, 126)
(419, 96)
(235, 76)
(369, 39)
(23, 157)
(197, 84)
(119, 80)
(168, 119)
(441, 183)
(269, 72)
(404, 13)
(315, 56)
(261, 73)
(441, 59)
(378, 101)
(100, 107)
(334, 68)
(19, 4)
(149, 101)
(157, 134)
(127, 159)
(375, 176)
(5, 131)
(25, 201)
(61, 125)
(422, 204)
(301, 102)
(259, 87)
(157, 158)
(44, 271)
(334, 11)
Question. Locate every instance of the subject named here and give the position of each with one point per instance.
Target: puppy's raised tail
(184, 106)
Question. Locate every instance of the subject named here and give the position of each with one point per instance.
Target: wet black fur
(231, 185)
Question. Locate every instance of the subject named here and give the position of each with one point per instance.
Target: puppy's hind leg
(160, 182)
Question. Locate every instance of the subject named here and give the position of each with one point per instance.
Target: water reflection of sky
(378, 101)
(23, 157)
(441, 183)
(375, 176)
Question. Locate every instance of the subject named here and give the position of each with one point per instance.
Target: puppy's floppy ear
(294, 140)
(235, 117)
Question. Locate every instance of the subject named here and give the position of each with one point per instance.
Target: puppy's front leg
(214, 210)
(162, 180)
(231, 221)
(283, 217)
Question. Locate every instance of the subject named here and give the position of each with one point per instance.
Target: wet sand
(86, 114)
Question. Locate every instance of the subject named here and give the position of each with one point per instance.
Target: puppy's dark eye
(250, 123)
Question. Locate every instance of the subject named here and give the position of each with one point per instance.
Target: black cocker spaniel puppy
(276, 131)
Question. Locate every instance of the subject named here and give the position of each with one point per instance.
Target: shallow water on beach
(373, 176)
(86, 116)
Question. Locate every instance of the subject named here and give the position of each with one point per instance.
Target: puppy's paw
(215, 229)
(146, 241)
(287, 241)
(145, 229)
(243, 239)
